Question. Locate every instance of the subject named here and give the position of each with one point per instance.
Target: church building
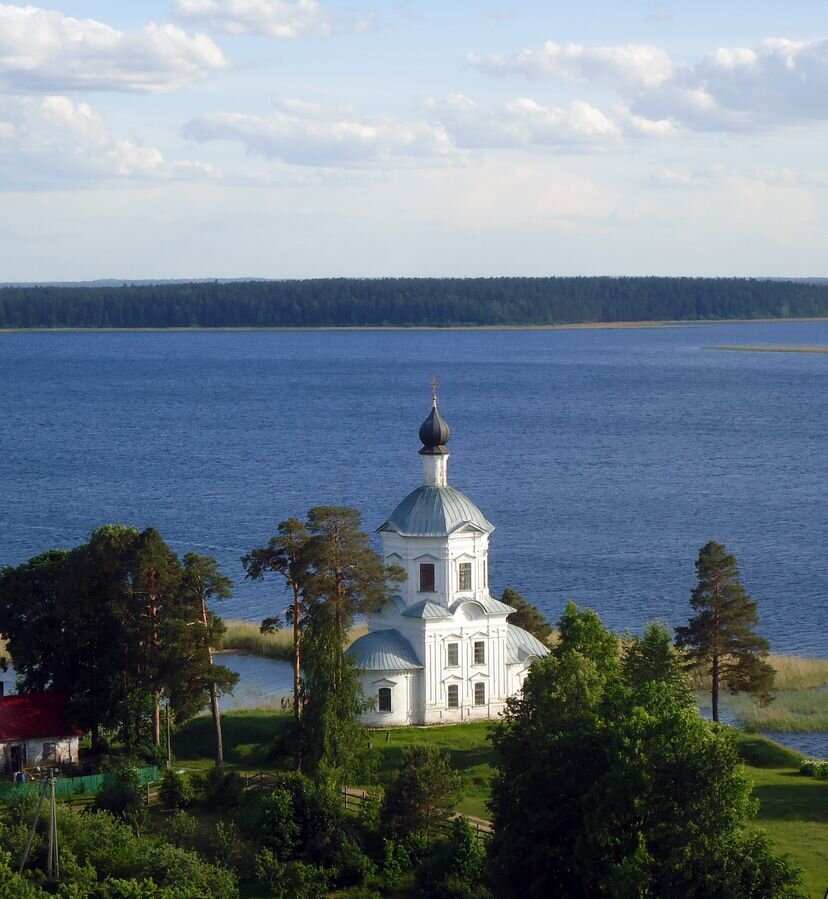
(441, 651)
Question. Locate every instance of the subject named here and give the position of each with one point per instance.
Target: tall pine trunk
(216, 713)
(156, 719)
(714, 692)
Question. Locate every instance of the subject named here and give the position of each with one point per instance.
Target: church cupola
(434, 435)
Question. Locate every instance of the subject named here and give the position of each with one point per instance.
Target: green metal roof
(435, 512)
(521, 645)
(384, 650)
(427, 609)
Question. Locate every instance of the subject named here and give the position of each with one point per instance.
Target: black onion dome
(434, 434)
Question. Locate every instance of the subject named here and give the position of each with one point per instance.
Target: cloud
(269, 18)
(52, 141)
(308, 134)
(522, 123)
(44, 51)
(630, 66)
(779, 82)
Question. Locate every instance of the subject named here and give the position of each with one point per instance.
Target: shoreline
(570, 326)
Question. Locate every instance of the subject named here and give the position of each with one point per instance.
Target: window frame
(425, 566)
(464, 568)
(380, 692)
(453, 690)
(480, 693)
(455, 647)
(479, 652)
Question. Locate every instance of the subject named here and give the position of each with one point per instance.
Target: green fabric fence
(72, 786)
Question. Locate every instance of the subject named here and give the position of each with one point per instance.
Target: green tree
(423, 795)
(202, 582)
(284, 556)
(526, 616)
(342, 577)
(608, 782)
(654, 659)
(721, 638)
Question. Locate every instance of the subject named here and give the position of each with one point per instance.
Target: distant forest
(407, 302)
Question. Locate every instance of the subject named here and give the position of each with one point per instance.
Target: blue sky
(296, 138)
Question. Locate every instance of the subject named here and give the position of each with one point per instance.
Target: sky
(313, 138)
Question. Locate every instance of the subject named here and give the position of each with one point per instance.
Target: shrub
(222, 789)
(225, 844)
(814, 768)
(121, 795)
(455, 867)
(183, 871)
(181, 829)
(175, 791)
(351, 864)
(277, 828)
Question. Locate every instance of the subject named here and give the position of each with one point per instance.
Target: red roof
(33, 715)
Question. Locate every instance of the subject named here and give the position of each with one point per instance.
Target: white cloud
(53, 141)
(630, 66)
(307, 134)
(732, 88)
(522, 123)
(268, 18)
(44, 51)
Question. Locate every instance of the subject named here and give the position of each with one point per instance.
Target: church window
(479, 652)
(480, 694)
(453, 696)
(426, 577)
(464, 576)
(384, 699)
(453, 655)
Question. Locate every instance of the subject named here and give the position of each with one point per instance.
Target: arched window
(384, 699)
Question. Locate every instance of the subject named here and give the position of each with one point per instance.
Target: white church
(441, 651)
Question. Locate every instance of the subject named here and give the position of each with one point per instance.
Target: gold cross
(434, 390)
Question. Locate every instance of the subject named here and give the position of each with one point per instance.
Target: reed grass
(796, 712)
(792, 673)
(245, 636)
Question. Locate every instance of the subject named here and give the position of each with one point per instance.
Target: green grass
(469, 750)
(248, 737)
(799, 711)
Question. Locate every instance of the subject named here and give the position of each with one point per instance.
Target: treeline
(408, 302)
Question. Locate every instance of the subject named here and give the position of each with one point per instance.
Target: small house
(33, 731)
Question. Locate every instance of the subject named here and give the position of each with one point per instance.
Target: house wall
(404, 686)
(66, 752)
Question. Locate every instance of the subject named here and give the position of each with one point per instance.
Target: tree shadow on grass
(805, 800)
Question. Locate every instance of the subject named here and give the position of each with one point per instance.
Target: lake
(605, 458)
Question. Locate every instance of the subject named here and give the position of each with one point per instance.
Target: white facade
(43, 751)
(441, 651)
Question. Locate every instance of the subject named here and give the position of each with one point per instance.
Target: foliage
(122, 796)
(277, 827)
(654, 659)
(407, 301)
(609, 782)
(221, 789)
(455, 868)
(526, 616)
(225, 847)
(423, 795)
(181, 829)
(110, 623)
(814, 768)
(175, 791)
(285, 556)
(342, 576)
(722, 635)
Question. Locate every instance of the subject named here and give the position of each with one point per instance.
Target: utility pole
(53, 857)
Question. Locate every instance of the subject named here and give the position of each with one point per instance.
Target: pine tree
(284, 556)
(526, 616)
(722, 635)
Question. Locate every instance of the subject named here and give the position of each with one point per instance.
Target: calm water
(605, 458)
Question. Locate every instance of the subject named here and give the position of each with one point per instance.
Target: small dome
(434, 432)
(435, 512)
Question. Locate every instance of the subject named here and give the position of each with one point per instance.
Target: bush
(455, 867)
(277, 827)
(175, 791)
(121, 795)
(181, 829)
(225, 844)
(184, 872)
(352, 865)
(222, 789)
(814, 768)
